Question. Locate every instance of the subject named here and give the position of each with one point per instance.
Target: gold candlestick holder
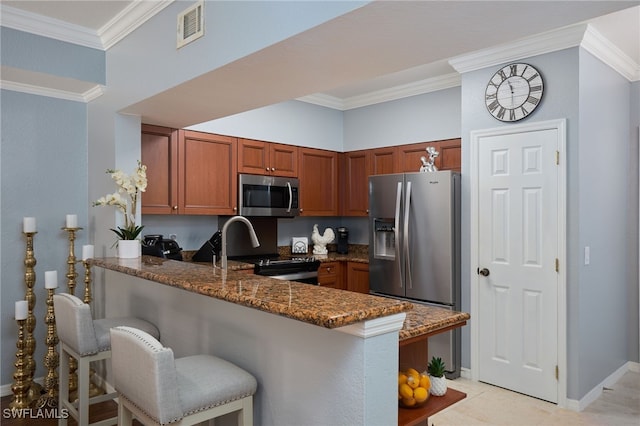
(29, 341)
(71, 260)
(21, 381)
(71, 286)
(50, 398)
(94, 390)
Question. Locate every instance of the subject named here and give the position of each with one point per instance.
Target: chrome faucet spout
(252, 234)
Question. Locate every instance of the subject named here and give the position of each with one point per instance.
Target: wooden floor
(34, 417)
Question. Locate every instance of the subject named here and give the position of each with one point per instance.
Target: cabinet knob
(273, 169)
(175, 207)
(235, 209)
(267, 169)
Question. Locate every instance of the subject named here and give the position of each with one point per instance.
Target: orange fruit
(408, 402)
(405, 391)
(420, 394)
(425, 382)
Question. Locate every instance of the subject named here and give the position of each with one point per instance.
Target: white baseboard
(596, 392)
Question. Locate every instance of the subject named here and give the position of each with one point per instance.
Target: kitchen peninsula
(321, 356)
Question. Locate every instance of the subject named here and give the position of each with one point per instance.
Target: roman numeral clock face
(514, 92)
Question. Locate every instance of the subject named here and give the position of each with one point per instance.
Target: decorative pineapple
(438, 381)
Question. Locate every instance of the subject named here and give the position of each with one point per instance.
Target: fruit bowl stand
(414, 351)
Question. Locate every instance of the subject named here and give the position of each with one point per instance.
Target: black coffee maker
(343, 240)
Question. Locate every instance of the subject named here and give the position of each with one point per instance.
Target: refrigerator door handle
(396, 231)
(407, 257)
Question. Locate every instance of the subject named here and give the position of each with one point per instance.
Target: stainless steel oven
(304, 270)
(268, 196)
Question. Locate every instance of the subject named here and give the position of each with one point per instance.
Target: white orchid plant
(131, 185)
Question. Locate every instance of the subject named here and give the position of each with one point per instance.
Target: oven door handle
(290, 197)
(295, 276)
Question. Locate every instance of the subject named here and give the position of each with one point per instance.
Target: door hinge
(557, 373)
(557, 158)
(557, 265)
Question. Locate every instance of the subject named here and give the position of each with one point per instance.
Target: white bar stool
(159, 389)
(86, 340)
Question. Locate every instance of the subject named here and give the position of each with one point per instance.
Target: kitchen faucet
(252, 234)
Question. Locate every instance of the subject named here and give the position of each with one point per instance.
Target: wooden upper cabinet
(265, 158)
(159, 152)
(318, 174)
(207, 173)
(355, 183)
(450, 155)
(383, 160)
(448, 158)
(409, 156)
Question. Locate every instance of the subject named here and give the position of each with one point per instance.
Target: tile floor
(490, 405)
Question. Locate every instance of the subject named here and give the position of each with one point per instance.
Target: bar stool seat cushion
(86, 336)
(206, 381)
(168, 389)
(102, 327)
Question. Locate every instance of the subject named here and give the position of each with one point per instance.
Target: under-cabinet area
(196, 173)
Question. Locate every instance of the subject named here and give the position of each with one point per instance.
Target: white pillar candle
(29, 224)
(87, 252)
(50, 279)
(72, 221)
(21, 309)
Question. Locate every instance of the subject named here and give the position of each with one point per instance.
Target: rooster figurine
(320, 241)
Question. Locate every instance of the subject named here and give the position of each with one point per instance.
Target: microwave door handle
(396, 232)
(407, 254)
(290, 197)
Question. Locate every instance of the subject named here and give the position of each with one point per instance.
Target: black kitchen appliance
(210, 248)
(343, 240)
(156, 245)
(300, 269)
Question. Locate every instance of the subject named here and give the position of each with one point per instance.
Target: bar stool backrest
(74, 324)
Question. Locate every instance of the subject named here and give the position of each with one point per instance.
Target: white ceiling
(382, 45)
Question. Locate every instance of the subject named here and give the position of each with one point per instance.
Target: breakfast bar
(320, 355)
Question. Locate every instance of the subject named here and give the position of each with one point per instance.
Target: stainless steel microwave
(268, 196)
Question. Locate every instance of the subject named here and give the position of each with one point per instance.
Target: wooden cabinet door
(159, 152)
(318, 174)
(265, 158)
(383, 161)
(253, 157)
(409, 156)
(207, 173)
(330, 275)
(449, 158)
(355, 183)
(283, 160)
(358, 277)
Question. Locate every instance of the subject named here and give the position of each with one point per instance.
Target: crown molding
(128, 20)
(548, 42)
(583, 35)
(33, 23)
(600, 47)
(49, 92)
(134, 15)
(393, 93)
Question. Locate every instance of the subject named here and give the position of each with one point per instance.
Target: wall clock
(514, 92)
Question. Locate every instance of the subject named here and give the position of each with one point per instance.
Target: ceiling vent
(191, 24)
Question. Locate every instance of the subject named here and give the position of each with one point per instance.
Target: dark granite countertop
(325, 307)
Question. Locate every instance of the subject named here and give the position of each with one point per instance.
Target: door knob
(484, 272)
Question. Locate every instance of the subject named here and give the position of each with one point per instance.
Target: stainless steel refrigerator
(414, 246)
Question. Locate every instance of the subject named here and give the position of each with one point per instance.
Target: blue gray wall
(43, 173)
(604, 208)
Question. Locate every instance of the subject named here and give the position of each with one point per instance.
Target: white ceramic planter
(129, 249)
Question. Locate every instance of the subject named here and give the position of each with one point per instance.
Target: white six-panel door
(517, 253)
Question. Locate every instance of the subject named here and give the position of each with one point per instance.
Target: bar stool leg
(83, 391)
(63, 385)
